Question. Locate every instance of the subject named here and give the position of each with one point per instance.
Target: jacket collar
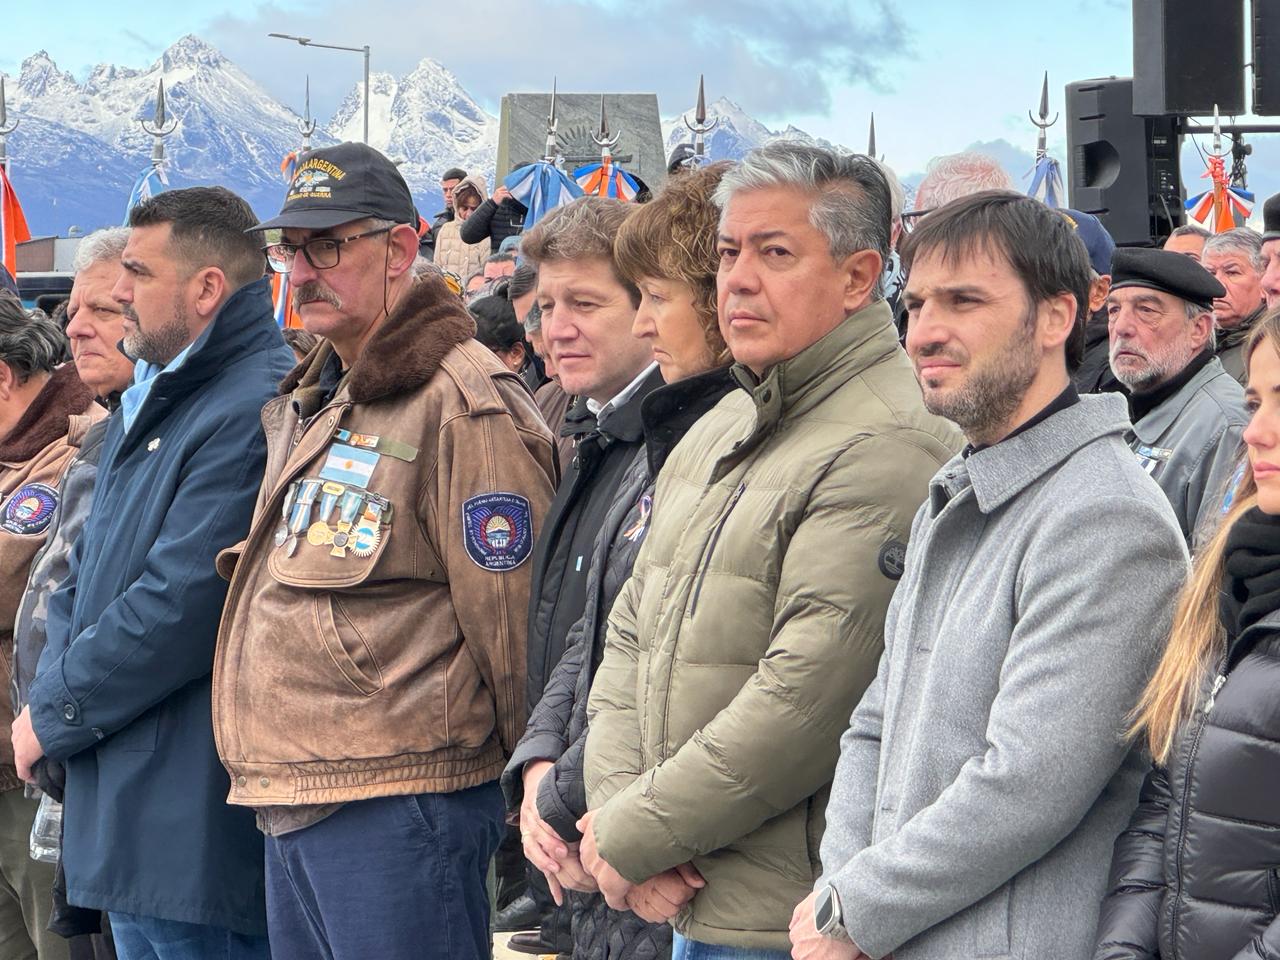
(1237, 335)
(1150, 427)
(623, 422)
(999, 473)
(245, 324)
(669, 411)
(49, 416)
(802, 382)
(402, 355)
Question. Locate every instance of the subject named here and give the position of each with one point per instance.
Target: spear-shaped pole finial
(6, 128)
(871, 138)
(306, 124)
(700, 127)
(1044, 123)
(603, 140)
(1217, 132)
(160, 127)
(549, 153)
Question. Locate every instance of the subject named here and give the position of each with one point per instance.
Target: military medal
(282, 532)
(307, 491)
(368, 532)
(319, 534)
(330, 493)
(347, 513)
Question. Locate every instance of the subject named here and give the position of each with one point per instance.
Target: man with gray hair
(1187, 411)
(1235, 260)
(1188, 240)
(775, 541)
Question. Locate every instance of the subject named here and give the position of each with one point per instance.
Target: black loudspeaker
(1265, 15)
(1122, 168)
(1187, 56)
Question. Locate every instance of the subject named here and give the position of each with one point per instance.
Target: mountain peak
(191, 51)
(40, 75)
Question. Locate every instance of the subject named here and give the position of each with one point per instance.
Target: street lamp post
(308, 42)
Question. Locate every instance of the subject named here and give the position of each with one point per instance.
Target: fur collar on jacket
(402, 355)
(49, 416)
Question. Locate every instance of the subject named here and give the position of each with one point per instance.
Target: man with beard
(1235, 260)
(985, 773)
(1188, 412)
(122, 691)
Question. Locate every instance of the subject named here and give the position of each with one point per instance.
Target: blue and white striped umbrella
(541, 186)
(1046, 181)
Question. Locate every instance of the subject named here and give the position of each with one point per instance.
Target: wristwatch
(827, 916)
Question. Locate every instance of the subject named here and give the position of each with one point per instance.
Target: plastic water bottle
(46, 832)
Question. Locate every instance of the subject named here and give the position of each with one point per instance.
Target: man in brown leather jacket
(369, 681)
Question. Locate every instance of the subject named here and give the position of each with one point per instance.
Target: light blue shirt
(144, 374)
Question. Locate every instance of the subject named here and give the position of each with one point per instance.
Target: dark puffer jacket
(558, 728)
(1196, 876)
(497, 221)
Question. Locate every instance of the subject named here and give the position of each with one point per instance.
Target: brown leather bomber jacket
(373, 641)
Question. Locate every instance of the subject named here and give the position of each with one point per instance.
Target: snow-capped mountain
(79, 145)
(736, 132)
(427, 123)
(226, 129)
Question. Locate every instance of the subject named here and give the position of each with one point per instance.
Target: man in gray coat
(1187, 411)
(986, 772)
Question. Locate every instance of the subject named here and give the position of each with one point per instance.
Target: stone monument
(522, 132)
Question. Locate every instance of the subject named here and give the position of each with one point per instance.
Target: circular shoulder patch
(30, 510)
(893, 559)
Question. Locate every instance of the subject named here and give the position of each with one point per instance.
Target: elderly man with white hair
(959, 175)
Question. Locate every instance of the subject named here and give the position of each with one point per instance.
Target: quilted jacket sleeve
(546, 736)
(1127, 927)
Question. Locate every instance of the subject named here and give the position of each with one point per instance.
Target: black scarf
(1251, 586)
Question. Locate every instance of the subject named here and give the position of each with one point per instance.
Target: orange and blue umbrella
(606, 179)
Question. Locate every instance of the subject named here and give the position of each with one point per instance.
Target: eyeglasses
(911, 219)
(323, 253)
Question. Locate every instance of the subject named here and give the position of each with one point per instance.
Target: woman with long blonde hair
(1197, 873)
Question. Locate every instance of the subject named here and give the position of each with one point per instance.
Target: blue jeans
(682, 949)
(150, 938)
(396, 878)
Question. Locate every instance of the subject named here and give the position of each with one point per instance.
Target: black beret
(1271, 218)
(1174, 273)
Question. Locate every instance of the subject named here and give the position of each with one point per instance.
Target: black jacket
(563, 552)
(557, 730)
(497, 221)
(122, 692)
(1094, 374)
(1196, 876)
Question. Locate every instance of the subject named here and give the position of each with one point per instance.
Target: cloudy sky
(939, 74)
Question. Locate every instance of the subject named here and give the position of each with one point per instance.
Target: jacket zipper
(711, 546)
(1185, 803)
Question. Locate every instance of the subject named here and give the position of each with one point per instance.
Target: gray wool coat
(985, 774)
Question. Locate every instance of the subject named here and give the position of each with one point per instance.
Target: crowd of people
(762, 570)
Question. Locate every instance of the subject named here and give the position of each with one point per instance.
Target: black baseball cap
(339, 184)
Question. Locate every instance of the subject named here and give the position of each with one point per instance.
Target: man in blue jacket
(121, 694)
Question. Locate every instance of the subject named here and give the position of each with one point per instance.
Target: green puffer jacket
(752, 623)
